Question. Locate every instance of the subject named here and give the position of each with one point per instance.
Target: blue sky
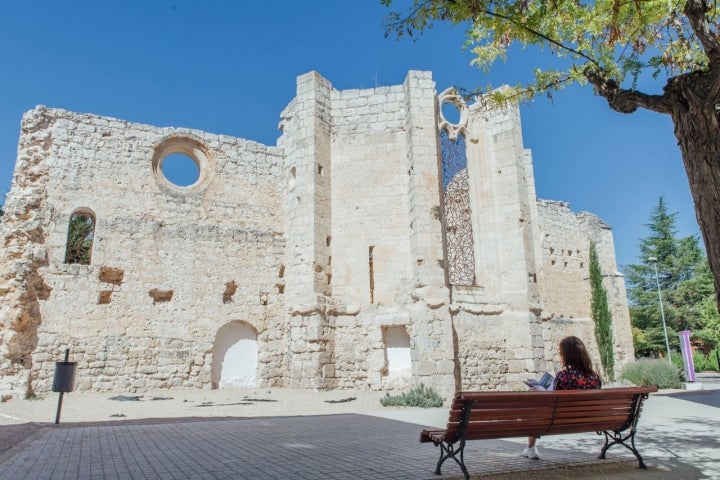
(229, 67)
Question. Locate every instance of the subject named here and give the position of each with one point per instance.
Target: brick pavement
(340, 447)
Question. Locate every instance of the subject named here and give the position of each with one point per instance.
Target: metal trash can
(64, 380)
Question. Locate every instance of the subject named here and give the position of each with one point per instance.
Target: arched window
(459, 244)
(81, 231)
(458, 215)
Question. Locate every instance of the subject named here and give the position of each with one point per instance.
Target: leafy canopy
(613, 39)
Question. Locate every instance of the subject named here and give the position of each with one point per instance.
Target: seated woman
(577, 374)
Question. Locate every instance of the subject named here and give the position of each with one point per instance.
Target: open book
(545, 382)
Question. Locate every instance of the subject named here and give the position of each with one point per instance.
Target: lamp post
(662, 312)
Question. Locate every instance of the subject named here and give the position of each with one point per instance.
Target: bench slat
(584, 402)
(571, 407)
(586, 419)
(489, 415)
(518, 431)
(494, 428)
(625, 407)
(494, 412)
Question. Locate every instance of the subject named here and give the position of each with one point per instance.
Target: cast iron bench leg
(616, 438)
(447, 450)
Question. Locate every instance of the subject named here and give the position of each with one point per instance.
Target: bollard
(64, 380)
(687, 356)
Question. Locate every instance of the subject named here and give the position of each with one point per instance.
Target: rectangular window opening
(371, 273)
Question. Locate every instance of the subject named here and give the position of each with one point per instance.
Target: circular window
(182, 164)
(451, 112)
(180, 169)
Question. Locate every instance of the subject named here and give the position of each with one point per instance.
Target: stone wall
(317, 247)
(187, 243)
(564, 279)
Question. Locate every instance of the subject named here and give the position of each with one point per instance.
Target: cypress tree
(601, 316)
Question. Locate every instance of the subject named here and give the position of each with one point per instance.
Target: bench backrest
(518, 414)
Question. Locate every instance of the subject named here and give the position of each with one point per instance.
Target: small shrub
(714, 360)
(419, 396)
(706, 363)
(701, 362)
(677, 360)
(648, 372)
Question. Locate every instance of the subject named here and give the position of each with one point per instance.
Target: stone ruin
(377, 246)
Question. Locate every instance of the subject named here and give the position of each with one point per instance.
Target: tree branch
(623, 100)
(398, 25)
(541, 35)
(521, 95)
(695, 11)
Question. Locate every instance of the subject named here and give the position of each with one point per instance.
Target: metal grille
(458, 220)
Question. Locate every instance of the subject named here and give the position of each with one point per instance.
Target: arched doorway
(235, 355)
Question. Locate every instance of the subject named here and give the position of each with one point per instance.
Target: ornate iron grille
(458, 220)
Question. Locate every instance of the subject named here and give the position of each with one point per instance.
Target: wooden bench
(613, 412)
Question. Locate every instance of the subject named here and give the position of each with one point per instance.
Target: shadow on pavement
(710, 398)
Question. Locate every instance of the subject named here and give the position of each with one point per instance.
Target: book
(545, 382)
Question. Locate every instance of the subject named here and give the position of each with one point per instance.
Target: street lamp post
(662, 312)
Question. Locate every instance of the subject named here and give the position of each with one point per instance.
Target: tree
(610, 44)
(685, 284)
(601, 316)
(710, 333)
(698, 294)
(677, 261)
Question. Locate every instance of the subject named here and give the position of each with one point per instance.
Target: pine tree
(684, 284)
(601, 316)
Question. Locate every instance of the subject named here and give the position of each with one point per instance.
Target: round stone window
(180, 169)
(453, 114)
(450, 113)
(182, 164)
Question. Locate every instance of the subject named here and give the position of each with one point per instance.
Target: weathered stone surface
(284, 266)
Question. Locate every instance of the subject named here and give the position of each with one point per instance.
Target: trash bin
(64, 380)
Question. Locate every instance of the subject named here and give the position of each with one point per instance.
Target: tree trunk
(693, 102)
(695, 115)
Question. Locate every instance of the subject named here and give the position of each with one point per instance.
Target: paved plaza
(678, 440)
(329, 446)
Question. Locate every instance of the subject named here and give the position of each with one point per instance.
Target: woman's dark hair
(574, 354)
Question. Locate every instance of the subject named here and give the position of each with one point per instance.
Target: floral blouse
(571, 379)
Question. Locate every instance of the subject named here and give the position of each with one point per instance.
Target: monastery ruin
(377, 246)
